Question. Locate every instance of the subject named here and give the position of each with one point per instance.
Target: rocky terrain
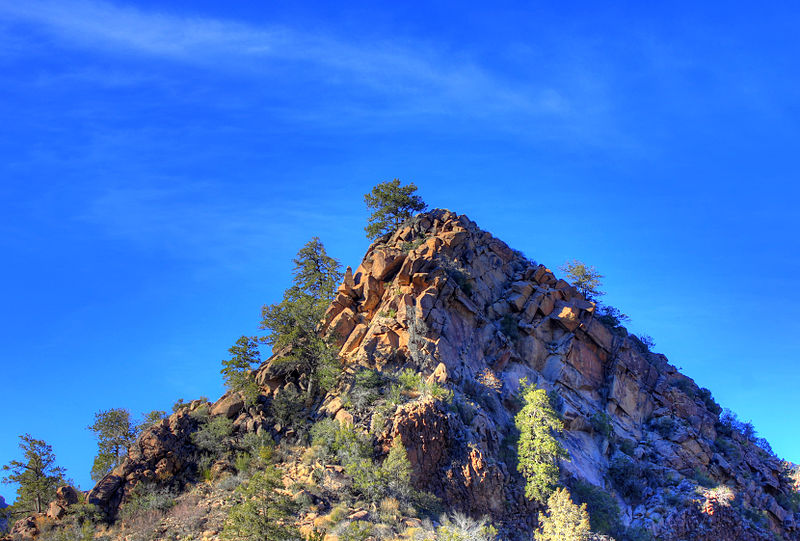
(470, 318)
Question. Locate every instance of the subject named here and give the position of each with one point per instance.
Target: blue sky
(161, 163)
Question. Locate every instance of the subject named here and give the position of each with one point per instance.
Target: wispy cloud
(417, 72)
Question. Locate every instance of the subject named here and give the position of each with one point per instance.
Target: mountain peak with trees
(447, 388)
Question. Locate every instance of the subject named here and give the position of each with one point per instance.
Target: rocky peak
(454, 305)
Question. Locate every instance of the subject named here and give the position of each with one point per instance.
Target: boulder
(229, 405)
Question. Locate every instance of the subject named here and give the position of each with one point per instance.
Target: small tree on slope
(37, 475)
(236, 370)
(115, 433)
(393, 204)
(584, 277)
(293, 323)
(538, 450)
(564, 520)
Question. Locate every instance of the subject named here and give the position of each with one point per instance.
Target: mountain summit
(437, 331)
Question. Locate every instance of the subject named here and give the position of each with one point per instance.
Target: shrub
(538, 450)
(187, 517)
(611, 317)
(411, 381)
(647, 341)
(564, 520)
(664, 426)
(627, 446)
(201, 414)
(356, 530)
(413, 245)
(339, 442)
(601, 423)
(509, 326)
(636, 534)
(703, 479)
(627, 477)
(687, 387)
(391, 478)
(602, 507)
(229, 482)
(210, 437)
(459, 527)
(728, 448)
(242, 462)
(708, 400)
(288, 408)
(145, 501)
(179, 404)
(261, 512)
(364, 392)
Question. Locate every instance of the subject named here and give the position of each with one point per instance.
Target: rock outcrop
(445, 299)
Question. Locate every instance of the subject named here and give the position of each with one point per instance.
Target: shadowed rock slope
(449, 301)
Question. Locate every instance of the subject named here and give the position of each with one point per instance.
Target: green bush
(210, 437)
(664, 426)
(728, 448)
(146, 497)
(627, 476)
(392, 478)
(365, 389)
(708, 400)
(703, 479)
(509, 326)
(201, 414)
(411, 381)
(341, 443)
(611, 317)
(413, 245)
(288, 408)
(627, 446)
(261, 512)
(242, 462)
(356, 530)
(602, 507)
(601, 423)
(178, 405)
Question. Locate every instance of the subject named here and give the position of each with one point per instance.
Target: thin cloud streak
(225, 45)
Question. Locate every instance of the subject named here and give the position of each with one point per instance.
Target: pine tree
(149, 419)
(236, 370)
(538, 450)
(564, 520)
(584, 277)
(293, 324)
(37, 475)
(393, 205)
(115, 433)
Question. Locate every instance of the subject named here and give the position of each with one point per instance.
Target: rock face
(445, 299)
(452, 301)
